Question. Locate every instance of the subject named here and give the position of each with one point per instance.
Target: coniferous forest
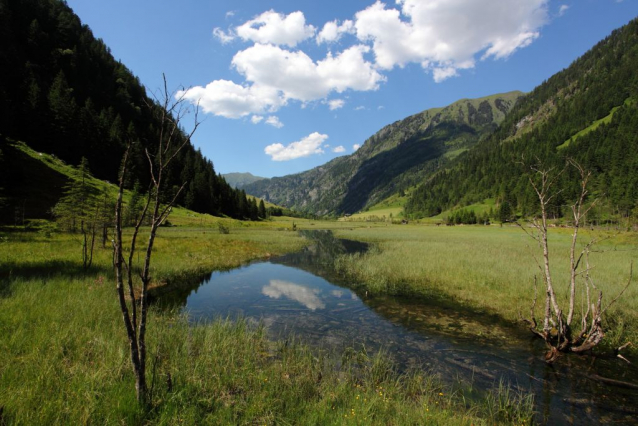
(63, 93)
(588, 112)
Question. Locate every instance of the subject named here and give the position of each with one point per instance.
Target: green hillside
(586, 112)
(397, 157)
(63, 93)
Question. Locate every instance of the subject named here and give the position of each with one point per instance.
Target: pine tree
(62, 108)
(72, 211)
(2, 181)
(134, 208)
(80, 211)
(504, 211)
(262, 209)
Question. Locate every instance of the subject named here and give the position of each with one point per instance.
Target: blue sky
(285, 85)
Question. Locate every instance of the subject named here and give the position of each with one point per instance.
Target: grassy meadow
(64, 355)
(490, 268)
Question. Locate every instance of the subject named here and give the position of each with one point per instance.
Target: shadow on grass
(46, 270)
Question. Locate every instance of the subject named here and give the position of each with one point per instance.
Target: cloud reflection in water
(299, 293)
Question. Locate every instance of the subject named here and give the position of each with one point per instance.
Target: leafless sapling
(169, 111)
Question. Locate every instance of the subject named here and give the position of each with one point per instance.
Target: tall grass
(489, 268)
(64, 357)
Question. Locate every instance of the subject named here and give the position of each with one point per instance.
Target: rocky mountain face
(398, 156)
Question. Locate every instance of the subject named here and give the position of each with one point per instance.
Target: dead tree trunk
(557, 328)
(171, 140)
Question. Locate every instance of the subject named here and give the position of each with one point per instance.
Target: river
(301, 294)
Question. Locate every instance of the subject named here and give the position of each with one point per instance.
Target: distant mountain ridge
(239, 180)
(398, 156)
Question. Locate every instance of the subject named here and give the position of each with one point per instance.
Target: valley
(470, 264)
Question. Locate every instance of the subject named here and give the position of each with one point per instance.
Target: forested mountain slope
(63, 93)
(588, 112)
(397, 157)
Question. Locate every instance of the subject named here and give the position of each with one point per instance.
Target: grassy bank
(489, 268)
(64, 356)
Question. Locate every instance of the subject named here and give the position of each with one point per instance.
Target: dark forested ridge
(63, 93)
(397, 157)
(587, 112)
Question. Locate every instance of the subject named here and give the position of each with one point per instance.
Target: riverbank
(490, 269)
(64, 356)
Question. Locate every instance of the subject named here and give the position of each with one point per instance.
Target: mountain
(398, 156)
(63, 93)
(239, 180)
(587, 112)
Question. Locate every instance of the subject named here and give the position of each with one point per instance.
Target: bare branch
(150, 163)
(164, 214)
(529, 234)
(624, 346)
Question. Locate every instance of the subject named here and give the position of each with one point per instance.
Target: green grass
(66, 170)
(489, 269)
(392, 205)
(593, 126)
(64, 355)
(478, 208)
(452, 154)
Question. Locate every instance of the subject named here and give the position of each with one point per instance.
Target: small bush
(223, 229)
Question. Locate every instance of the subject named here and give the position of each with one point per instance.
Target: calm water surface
(300, 293)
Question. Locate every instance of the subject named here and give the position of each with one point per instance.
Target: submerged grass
(64, 355)
(490, 268)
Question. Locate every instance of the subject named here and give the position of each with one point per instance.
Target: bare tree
(557, 327)
(170, 111)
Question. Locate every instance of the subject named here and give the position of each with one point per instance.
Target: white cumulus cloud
(441, 74)
(275, 75)
(255, 119)
(305, 147)
(446, 35)
(332, 31)
(334, 104)
(356, 146)
(222, 36)
(443, 36)
(230, 100)
(298, 77)
(273, 120)
(563, 8)
(339, 148)
(276, 28)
